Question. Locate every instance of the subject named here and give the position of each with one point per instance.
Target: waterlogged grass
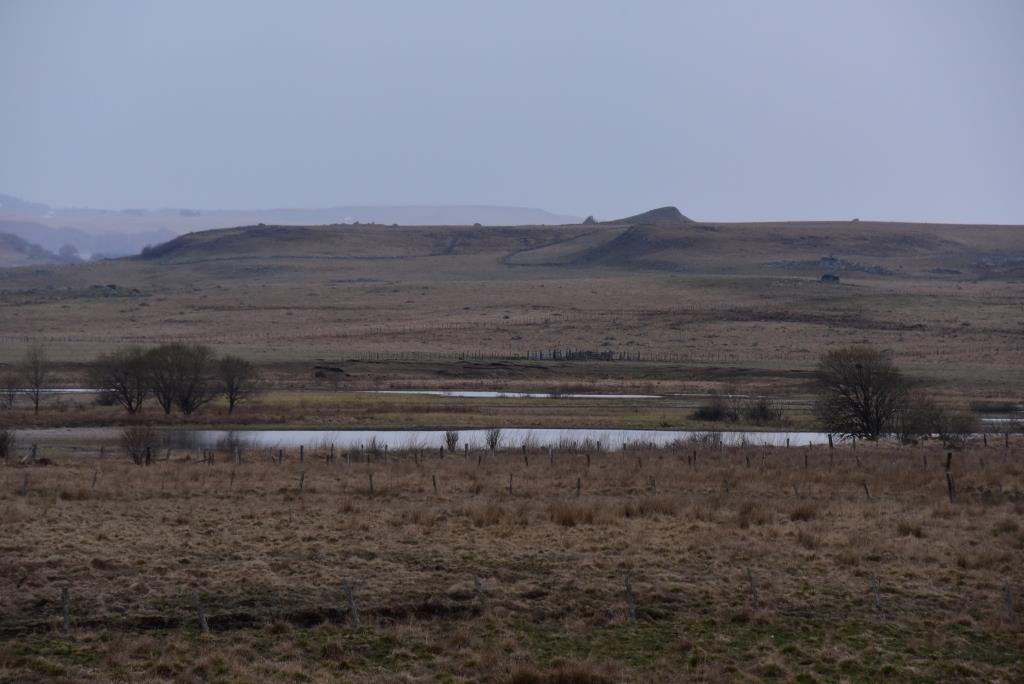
(743, 647)
(328, 410)
(772, 647)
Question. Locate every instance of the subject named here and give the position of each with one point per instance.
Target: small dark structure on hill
(830, 278)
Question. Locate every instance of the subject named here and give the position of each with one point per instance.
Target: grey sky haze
(731, 110)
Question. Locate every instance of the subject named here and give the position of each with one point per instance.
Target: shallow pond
(510, 437)
(490, 394)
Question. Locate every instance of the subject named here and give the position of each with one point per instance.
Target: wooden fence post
(65, 600)
(630, 599)
(353, 611)
(203, 625)
(754, 600)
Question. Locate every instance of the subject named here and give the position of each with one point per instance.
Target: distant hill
(352, 242)
(659, 240)
(15, 251)
(126, 231)
(662, 216)
(10, 204)
(89, 244)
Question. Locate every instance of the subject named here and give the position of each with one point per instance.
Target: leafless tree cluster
(922, 417)
(178, 376)
(864, 394)
(862, 391)
(731, 406)
(29, 378)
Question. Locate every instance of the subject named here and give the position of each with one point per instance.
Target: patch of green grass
(783, 647)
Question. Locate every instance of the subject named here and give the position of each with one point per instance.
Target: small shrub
(957, 428)
(750, 513)
(485, 515)
(649, 506)
(493, 437)
(848, 558)
(1006, 526)
(570, 515)
(761, 410)
(451, 440)
(909, 529)
(806, 540)
(138, 443)
(708, 440)
(803, 513)
(718, 408)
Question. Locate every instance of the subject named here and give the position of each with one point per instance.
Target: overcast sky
(887, 109)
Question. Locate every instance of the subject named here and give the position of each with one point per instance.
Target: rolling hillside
(15, 251)
(662, 240)
(943, 298)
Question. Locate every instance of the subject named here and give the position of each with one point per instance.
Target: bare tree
(197, 385)
(123, 377)
(957, 428)
(162, 374)
(239, 379)
(862, 390)
(451, 440)
(35, 374)
(493, 437)
(918, 418)
(181, 375)
(8, 390)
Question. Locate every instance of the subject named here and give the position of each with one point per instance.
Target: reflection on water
(510, 437)
(488, 394)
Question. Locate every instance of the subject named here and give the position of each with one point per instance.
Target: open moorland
(863, 562)
(699, 305)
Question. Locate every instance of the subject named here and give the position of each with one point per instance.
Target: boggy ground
(331, 410)
(742, 564)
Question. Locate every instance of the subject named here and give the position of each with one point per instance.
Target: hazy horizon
(730, 111)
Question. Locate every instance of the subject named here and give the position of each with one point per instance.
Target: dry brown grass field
(743, 564)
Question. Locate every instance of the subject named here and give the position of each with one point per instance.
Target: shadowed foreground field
(742, 564)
